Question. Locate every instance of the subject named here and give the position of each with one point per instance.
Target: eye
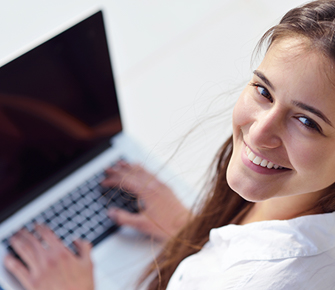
(310, 124)
(262, 91)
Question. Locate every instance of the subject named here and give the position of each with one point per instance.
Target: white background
(175, 62)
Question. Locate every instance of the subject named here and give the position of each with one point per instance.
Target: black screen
(58, 109)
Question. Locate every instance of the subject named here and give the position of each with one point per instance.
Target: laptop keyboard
(82, 213)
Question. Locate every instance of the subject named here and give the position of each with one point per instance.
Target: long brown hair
(316, 22)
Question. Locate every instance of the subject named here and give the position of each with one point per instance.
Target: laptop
(60, 128)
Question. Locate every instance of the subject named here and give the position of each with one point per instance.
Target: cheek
(315, 161)
(307, 154)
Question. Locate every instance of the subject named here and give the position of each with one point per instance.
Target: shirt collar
(277, 239)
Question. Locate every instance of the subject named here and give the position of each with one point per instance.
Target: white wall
(171, 59)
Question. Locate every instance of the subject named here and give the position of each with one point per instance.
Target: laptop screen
(58, 109)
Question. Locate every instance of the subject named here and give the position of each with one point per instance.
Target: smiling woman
(272, 198)
(282, 118)
(268, 219)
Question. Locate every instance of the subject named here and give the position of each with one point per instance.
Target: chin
(247, 189)
(244, 185)
(252, 197)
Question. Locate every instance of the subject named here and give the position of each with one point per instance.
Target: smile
(259, 161)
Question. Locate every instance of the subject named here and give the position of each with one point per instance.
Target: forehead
(296, 69)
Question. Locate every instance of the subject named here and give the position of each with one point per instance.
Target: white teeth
(264, 163)
(251, 156)
(248, 150)
(259, 161)
(270, 165)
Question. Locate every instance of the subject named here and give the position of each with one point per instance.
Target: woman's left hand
(50, 265)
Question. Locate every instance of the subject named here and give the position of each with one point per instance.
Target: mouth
(262, 162)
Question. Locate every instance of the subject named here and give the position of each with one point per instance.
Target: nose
(266, 130)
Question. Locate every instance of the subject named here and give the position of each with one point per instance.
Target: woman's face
(285, 118)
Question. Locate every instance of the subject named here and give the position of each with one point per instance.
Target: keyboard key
(79, 219)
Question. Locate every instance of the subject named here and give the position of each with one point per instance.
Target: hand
(50, 265)
(162, 215)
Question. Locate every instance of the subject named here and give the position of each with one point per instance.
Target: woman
(272, 201)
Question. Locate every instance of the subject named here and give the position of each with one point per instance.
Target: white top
(291, 254)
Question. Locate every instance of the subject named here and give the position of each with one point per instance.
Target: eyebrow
(264, 79)
(313, 111)
(296, 103)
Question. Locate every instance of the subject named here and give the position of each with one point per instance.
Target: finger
(27, 247)
(122, 217)
(48, 236)
(136, 184)
(120, 165)
(131, 183)
(118, 170)
(123, 164)
(112, 181)
(139, 222)
(123, 169)
(84, 249)
(18, 270)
